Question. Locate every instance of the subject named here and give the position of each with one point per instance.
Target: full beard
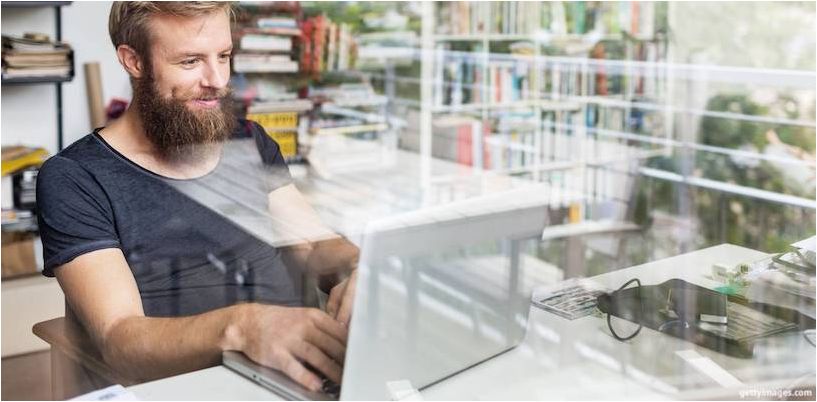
(179, 134)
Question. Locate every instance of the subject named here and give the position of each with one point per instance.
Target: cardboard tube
(93, 87)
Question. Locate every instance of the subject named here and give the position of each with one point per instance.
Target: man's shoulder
(267, 146)
(83, 149)
(79, 156)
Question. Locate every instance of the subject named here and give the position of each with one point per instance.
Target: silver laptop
(439, 290)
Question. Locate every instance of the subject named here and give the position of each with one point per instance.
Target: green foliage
(732, 133)
(356, 13)
(735, 219)
(729, 218)
(337, 11)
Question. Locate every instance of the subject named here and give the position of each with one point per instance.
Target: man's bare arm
(312, 244)
(102, 292)
(318, 251)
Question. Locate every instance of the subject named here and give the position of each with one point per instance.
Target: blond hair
(128, 20)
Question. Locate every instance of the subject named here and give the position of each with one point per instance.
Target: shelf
(479, 106)
(30, 4)
(29, 225)
(481, 37)
(35, 80)
(355, 129)
(541, 37)
(7, 80)
(15, 220)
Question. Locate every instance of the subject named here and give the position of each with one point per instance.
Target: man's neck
(127, 136)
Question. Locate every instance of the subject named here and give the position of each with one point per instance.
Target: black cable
(641, 312)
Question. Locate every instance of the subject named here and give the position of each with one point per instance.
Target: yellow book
(16, 158)
(275, 120)
(287, 141)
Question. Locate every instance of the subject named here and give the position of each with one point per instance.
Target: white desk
(562, 359)
(389, 186)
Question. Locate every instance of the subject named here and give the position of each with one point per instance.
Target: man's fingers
(330, 326)
(327, 344)
(295, 370)
(335, 296)
(319, 360)
(347, 301)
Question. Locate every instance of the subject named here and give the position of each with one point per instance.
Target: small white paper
(112, 393)
(707, 366)
(402, 390)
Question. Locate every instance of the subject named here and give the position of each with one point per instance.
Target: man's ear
(131, 61)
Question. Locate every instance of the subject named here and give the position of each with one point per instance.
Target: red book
(464, 144)
(319, 44)
(307, 32)
(498, 85)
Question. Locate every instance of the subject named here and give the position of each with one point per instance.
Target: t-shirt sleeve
(276, 172)
(74, 213)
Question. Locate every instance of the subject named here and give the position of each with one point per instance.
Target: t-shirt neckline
(145, 170)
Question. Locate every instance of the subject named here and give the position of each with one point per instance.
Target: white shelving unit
(554, 150)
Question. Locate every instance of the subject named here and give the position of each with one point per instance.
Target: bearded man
(161, 283)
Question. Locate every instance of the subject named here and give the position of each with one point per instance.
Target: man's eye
(189, 62)
(225, 57)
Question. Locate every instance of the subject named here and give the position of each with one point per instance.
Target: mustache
(207, 94)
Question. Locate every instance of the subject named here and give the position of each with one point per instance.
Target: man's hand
(341, 299)
(288, 338)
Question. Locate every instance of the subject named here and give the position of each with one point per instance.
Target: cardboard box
(18, 254)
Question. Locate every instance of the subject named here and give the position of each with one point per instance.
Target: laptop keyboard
(330, 388)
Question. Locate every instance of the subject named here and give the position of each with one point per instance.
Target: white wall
(29, 112)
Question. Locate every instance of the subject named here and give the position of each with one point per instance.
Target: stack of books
(281, 120)
(349, 109)
(266, 45)
(35, 56)
(454, 137)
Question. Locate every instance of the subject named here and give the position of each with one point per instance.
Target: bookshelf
(56, 80)
(21, 243)
(534, 79)
(295, 72)
(351, 117)
(36, 80)
(21, 4)
(267, 69)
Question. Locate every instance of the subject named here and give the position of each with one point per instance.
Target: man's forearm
(146, 348)
(333, 258)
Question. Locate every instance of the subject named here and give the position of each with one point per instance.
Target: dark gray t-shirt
(186, 257)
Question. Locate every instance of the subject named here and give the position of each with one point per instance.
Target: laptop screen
(439, 291)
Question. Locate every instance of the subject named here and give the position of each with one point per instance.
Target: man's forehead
(176, 34)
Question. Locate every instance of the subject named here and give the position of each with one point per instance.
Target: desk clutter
(767, 297)
(21, 247)
(784, 279)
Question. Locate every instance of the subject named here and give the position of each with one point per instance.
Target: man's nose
(215, 76)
